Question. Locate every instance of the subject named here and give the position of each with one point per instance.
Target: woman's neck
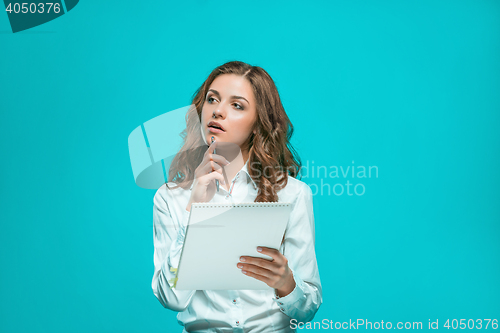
(234, 167)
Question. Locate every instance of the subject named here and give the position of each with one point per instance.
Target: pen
(216, 181)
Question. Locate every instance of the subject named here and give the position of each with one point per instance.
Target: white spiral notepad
(218, 234)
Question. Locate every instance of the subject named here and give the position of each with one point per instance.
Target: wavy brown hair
(271, 157)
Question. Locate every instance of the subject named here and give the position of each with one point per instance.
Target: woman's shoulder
(170, 192)
(298, 184)
(295, 188)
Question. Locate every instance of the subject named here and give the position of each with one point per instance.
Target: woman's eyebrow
(235, 97)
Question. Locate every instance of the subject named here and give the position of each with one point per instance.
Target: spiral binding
(241, 204)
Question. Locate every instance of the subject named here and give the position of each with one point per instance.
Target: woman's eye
(209, 100)
(240, 107)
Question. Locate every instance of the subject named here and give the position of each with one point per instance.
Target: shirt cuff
(286, 303)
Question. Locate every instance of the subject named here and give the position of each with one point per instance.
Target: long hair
(271, 157)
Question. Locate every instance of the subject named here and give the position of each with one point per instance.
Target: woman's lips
(215, 124)
(215, 130)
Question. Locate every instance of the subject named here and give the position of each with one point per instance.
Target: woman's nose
(219, 112)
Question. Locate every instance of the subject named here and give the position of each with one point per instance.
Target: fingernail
(244, 272)
(242, 259)
(240, 266)
(227, 162)
(259, 249)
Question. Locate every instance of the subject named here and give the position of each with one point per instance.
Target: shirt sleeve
(299, 248)
(168, 235)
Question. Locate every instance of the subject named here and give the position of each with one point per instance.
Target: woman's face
(232, 100)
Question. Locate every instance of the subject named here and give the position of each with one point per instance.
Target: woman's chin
(216, 136)
(210, 136)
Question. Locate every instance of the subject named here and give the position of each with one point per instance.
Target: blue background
(410, 87)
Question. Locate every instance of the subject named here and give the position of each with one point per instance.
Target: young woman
(238, 105)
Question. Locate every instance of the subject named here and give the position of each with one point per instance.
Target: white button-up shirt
(237, 310)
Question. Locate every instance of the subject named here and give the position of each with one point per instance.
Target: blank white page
(217, 235)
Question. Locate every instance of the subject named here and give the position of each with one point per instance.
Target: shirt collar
(249, 179)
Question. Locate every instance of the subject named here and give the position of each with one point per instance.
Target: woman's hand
(204, 176)
(275, 273)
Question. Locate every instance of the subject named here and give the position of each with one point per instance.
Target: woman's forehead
(231, 84)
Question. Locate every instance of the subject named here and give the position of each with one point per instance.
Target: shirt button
(282, 309)
(237, 323)
(234, 301)
(280, 303)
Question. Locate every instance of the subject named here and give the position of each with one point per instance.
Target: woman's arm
(305, 299)
(168, 232)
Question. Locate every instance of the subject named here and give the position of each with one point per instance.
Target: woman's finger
(218, 158)
(210, 149)
(264, 279)
(210, 156)
(212, 176)
(209, 167)
(273, 253)
(257, 270)
(264, 263)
